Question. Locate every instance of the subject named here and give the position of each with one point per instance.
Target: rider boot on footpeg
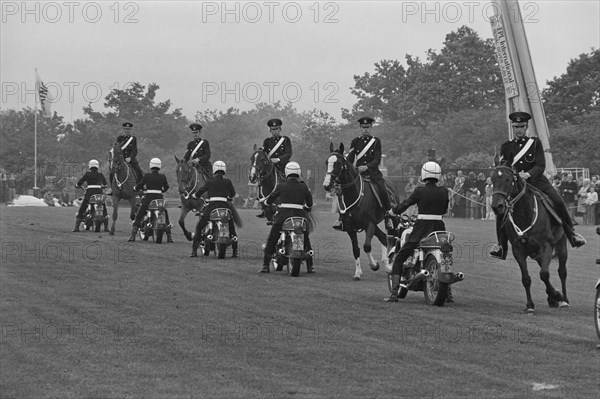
(95, 183)
(365, 154)
(432, 203)
(153, 184)
(526, 156)
(296, 200)
(220, 192)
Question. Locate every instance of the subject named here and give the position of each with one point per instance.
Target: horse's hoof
(375, 267)
(529, 311)
(356, 278)
(564, 305)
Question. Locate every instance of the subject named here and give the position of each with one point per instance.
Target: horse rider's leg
(575, 239)
(525, 280)
(270, 247)
(234, 242)
(356, 253)
(561, 249)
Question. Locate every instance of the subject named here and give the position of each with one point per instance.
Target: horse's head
(185, 175)
(337, 165)
(506, 184)
(115, 158)
(260, 165)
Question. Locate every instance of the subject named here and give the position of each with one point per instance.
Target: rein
(187, 192)
(339, 188)
(118, 166)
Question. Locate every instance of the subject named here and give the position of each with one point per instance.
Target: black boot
(339, 225)
(169, 237)
(575, 239)
(234, 247)
(266, 262)
(195, 245)
(310, 268)
(134, 230)
(261, 214)
(77, 224)
(395, 287)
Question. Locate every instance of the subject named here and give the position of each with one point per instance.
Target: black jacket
(292, 191)
(153, 181)
(533, 162)
(131, 150)
(371, 159)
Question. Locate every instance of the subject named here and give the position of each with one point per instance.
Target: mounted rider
(154, 185)
(526, 156)
(278, 148)
(220, 192)
(432, 202)
(95, 183)
(365, 154)
(296, 200)
(198, 151)
(128, 144)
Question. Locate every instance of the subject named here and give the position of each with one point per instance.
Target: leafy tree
(575, 92)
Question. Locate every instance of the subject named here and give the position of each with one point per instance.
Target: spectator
(582, 195)
(481, 183)
(473, 195)
(489, 191)
(568, 190)
(591, 204)
(310, 181)
(556, 183)
(458, 196)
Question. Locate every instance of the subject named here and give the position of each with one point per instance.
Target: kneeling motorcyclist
(432, 203)
(220, 192)
(95, 183)
(154, 184)
(296, 201)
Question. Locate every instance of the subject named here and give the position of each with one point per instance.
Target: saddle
(375, 191)
(546, 202)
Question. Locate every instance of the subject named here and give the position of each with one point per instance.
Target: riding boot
(234, 247)
(77, 223)
(574, 238)
(261, 215)
(395, 288)
(502, 250)
(310, 268)
(134, 230)
(169, 237)
(339, 225)
(266, 263)
(195, 245)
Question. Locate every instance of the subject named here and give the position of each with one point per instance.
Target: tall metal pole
(37, 90)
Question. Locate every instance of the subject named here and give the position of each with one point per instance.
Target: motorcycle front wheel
(435, 292)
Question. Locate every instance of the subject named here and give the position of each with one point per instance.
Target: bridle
(189, 190)
(512, 201)
(337, 187)
(260, 173)
(116, 162)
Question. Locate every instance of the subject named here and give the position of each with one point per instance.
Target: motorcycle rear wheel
(597, 312)
(221, 249)
(159, 235)
(296, 263)
(435, 292)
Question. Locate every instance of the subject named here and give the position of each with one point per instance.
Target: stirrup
(577, 240)
(499, 253)
(339, 226)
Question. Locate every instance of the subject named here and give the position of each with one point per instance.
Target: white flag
(45, 97)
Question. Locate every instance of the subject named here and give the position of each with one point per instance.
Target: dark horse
(532, 232)
(189, 179)
(358, 205)
(124, 180)
(264, 172)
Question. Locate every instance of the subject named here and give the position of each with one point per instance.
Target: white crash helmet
(292, 168)
(219, 165)
(94, 164)
(431, 170)
(155, 163)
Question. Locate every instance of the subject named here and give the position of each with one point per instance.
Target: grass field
(89, 315)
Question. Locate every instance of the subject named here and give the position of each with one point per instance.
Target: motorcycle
(216, 233)
(290, 247)
(597, 299)
(430, 269)
(94, 214)
(154, 222)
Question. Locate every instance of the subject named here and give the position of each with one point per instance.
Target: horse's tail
(392, 193)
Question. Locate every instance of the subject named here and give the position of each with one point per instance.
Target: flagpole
(35, 187)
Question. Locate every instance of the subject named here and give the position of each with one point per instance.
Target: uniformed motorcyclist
(95, 183)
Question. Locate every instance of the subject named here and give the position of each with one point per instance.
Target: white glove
(363, 168)
(524, 175)
(275, 160)
(128, 159)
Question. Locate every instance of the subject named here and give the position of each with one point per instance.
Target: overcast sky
(215, 55)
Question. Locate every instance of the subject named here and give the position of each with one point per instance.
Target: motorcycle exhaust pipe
(209, 237)
(457, 277)
(310, 252)
(422, 275)
(234, 238)
(281, 251)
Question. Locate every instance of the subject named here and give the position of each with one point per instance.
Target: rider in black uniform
(220, 192)
(198, 151)
(95, 183)
(432, 202)
(296, 200)
(153, 184)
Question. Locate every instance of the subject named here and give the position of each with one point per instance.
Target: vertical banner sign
(518, 76)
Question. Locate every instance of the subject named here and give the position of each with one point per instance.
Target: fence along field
(111, 319)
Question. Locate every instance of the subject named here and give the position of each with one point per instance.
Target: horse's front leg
(526, 280)
(184, 211)
(383, 239)
(561, 250)
(367, 245)
(356, 253)
(115, 214)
